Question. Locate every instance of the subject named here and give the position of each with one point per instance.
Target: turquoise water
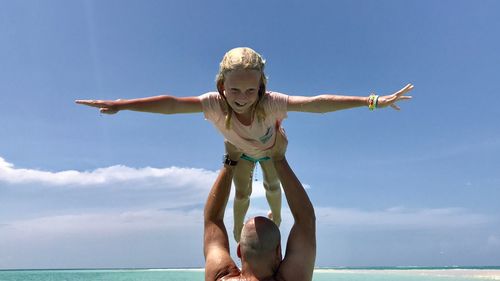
(388, 274)
(102, 275)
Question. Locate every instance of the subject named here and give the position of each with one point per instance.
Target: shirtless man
(260, 248)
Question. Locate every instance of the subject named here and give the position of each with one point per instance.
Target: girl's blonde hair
(247, 59)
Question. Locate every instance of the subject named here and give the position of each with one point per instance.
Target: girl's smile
(241, 89)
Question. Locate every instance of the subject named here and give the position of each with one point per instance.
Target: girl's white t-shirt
(254, 139)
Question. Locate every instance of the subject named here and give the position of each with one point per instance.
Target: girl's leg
(243, 183)
(273, 190)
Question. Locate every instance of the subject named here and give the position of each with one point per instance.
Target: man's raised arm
(218, 262)
(300, 255)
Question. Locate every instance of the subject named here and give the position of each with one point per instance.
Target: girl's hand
(391, 100)
(105, 106)
(277, 152)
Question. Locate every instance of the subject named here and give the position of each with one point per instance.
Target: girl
(248, 117)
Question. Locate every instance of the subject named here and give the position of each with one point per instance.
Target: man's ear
(238, 251)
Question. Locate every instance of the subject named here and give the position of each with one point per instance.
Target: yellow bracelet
(372, 101)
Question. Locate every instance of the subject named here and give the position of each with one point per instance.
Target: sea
(197, 274)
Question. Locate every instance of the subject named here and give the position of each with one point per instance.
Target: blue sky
(415, 187)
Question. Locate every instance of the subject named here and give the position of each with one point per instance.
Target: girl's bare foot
(270, 215)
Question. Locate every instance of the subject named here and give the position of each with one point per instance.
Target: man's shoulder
(238, 278)
(230, 278)
(219, 270)
(234, 274)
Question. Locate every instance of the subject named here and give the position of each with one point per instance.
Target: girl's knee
(272, 187)
(243, 194)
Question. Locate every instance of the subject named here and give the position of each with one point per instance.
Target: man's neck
(250, 273)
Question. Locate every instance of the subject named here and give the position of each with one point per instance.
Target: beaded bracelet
(372, 101)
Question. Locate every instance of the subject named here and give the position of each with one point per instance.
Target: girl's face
(241, 88)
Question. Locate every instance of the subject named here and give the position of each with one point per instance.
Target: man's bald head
(260, 239)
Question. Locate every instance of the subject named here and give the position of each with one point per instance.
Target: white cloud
(154, 232)
(141, 238)
(401, 217)
(173, 176)
(161, 177)
(185, 179)
(102, 223)
(191, 181)
(108, 220)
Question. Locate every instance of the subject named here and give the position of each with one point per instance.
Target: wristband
(372, 102)
(227, 161)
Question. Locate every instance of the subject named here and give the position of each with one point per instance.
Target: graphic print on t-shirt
(267, 135)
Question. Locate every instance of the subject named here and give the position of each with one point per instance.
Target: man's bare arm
(218, 262)
(300, 255)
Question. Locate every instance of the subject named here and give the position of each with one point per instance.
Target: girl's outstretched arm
(159, 104)
(328, 103)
